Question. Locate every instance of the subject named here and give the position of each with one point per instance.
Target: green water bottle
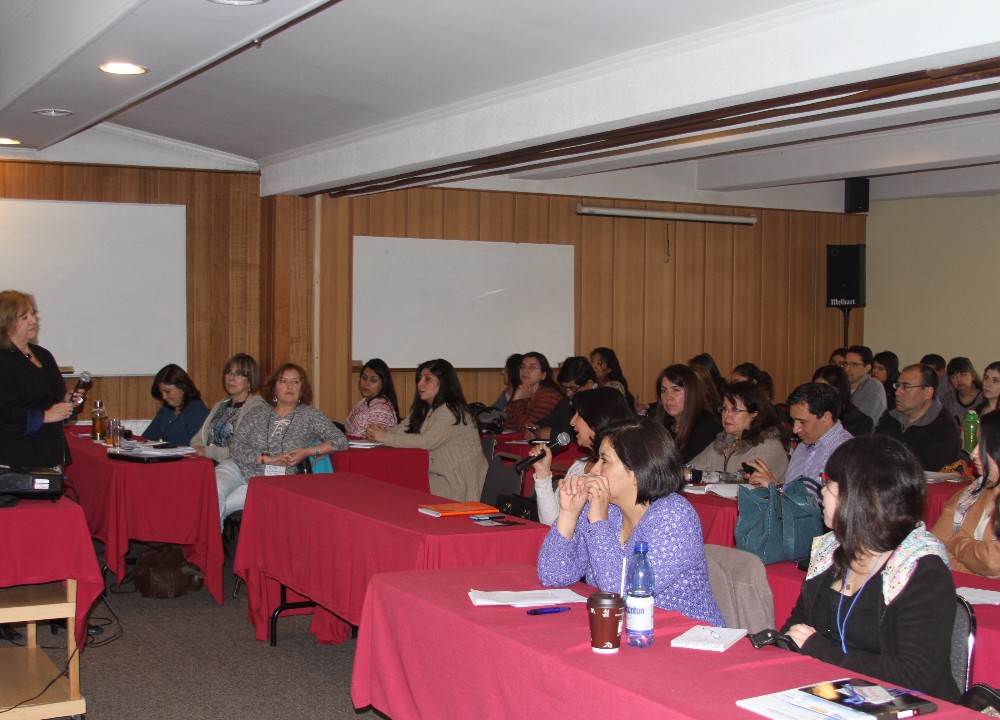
(970, 431)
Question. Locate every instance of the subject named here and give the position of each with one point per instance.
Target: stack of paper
(525, 598)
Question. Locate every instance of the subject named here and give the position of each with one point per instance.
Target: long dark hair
(646, 448)
(836, 378)
(388, 390)
(989, 447)
(599, 408)
(757, 376)
(610, 359)
(449, 394)
(547, 380)
(890, 361)
(881, 496)
(765, 424)
(963, 364)
(706, 361)
(985, 404)
(174, 375)
(695, 402)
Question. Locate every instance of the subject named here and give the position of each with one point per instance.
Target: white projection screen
(472, 303)
(110, 280)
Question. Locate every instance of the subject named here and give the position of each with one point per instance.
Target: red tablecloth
(43, 542)
(325, 539)
(938, 494)
(424, 651)
(718, 518)
(175, 502)
(786, 581)
(399, 466)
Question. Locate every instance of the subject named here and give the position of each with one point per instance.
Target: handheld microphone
(559, 440)
(84, 379)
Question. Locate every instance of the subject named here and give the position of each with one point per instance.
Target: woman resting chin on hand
(631, 496)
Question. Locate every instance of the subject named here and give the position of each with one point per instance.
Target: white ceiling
(362, 90)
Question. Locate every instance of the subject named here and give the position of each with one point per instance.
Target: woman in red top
(537, 394)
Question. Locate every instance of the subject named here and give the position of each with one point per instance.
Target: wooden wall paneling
(337, 382)
(774, 300)
(565, 228)
(627, 276)
(719, 276)
(596, 286)
(360, 215)
(291, 256)
(690, 286)
(496, 216)
(659, 319)
(805, 297)
(424, 212)
(531, 219)
(829, 321)
(747, 290)
(387, 214)
(461, 215)
(853, 234)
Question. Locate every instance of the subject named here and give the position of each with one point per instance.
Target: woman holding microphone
(33, 398)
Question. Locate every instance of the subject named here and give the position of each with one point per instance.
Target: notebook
(705, 637)
(457, 508)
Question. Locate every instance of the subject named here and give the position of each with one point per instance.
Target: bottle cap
(642, 546)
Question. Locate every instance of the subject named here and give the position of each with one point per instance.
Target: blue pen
(548, 610)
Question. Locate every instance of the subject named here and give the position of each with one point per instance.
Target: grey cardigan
(201, 438)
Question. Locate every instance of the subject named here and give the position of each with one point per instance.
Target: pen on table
(548, 610)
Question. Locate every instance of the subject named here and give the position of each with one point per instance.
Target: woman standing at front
(33, 398)
(275, 438)
(878, 597)
(440, 422)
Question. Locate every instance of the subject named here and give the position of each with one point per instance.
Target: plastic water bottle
(639, 598)
(970, 431)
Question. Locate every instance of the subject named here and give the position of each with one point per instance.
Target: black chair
(963, 642)
(489, 443)
(501, 479)
(983, 699)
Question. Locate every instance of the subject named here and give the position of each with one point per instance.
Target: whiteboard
(471, 303)
(110, 280)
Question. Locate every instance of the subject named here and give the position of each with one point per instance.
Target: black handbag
(518, 506)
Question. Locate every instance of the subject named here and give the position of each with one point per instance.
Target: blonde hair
(12, 304)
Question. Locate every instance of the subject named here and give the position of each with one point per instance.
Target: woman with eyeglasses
(378, 404)
(685, 411)
(576, 374)
(275, 437)
(991, 389)
(750, 431)
(878, 597)
(240, 380)
(536, 396)
(969, 525)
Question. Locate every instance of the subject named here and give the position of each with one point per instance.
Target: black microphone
(561, 439)
(84, 379)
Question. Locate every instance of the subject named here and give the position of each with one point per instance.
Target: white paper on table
(363, 444)
(525, 598)
(979, 597)
(936, 477)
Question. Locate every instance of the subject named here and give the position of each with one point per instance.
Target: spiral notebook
(705, 637)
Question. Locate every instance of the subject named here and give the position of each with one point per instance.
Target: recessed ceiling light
(52, 112)
(239, 2)
(9, 141)
(123, 68)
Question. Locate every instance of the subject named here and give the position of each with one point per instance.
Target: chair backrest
(963, 642)
(739, 584)
(500, 480)
(489, 443)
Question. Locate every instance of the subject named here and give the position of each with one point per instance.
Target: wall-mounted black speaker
(845, 276)
(856, 195)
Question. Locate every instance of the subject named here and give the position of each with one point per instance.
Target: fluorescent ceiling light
(52, 112)
(662, 215)
(9, 141)
(239, 2)
(123, 68)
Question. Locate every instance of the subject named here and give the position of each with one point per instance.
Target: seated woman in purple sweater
(631, 495)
